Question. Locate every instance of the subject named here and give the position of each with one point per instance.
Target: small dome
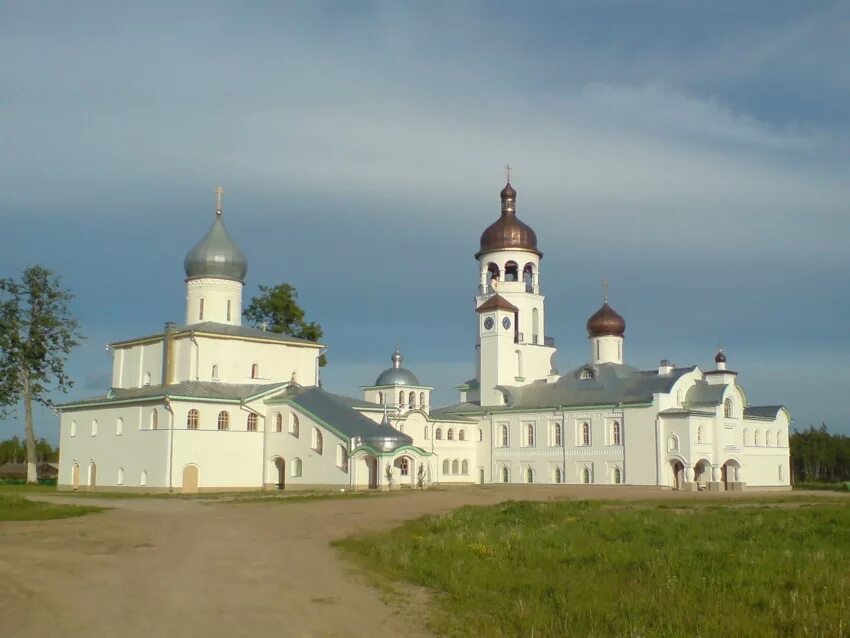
(387, 438)
(397, 375)
(606, 322)
(508, 232)
(216, 255)
(720, 357)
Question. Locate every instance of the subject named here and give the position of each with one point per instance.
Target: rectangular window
(228, 309)
(201, 311)
(555, 436)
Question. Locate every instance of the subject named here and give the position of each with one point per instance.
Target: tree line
(818, 456)
(14, 450)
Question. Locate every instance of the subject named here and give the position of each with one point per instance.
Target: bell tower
(512, 345)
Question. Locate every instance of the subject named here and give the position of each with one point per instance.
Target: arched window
(94, 427)
(215, 371)
(727, 408)
(505, 438)
(147, 378)
(342, 458)
(493, 274)
(558, 475)
(223, 420)
(528, 277)
(121, 476)
(255, 371)
(411, 399)
(404, 466)
(297, 467)
(557, 441)
(278, 422)
(585, 433)
(401, 399)
(438, 434)
(426, 433)
(529, 475)
(446, 466)
(529, 435)
(464, 467)
(119, 426)
(154, 419)
(480, 434)
(252, 422)
(616, 437)
(673, 443)
(756, 437)
(455, 467)
(201, 310)
(73, 428)
(192, 419)
(506, 475)
(618, 476)
(143, 479)
(461, 435)
(585, 475)
(421, 399)
(535, 326)
(317, 441)
(700, 434)
(380, 397)
(767, 438)
(511, 271)
(294, 427)
(450, 434)
(228, 309)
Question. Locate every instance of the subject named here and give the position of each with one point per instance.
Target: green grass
(303, 497)
(814, 485)
(18, 508)
(621, 569)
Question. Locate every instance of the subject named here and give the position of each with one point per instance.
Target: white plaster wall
(641, 452)
(130, 364)
(607, 349)
(235, 357)
(225, 458)
(215, 293)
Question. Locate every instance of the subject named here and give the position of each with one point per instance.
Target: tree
(277, 310)
(420, 476)
(37, 334)
(389, 476)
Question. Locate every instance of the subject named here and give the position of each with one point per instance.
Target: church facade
(215, 405)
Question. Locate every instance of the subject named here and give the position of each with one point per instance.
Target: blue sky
(694, 154)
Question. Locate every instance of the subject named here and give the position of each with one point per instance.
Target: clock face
(488, 323)
(506, 322)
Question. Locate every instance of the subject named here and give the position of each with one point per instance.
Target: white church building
(214, 405)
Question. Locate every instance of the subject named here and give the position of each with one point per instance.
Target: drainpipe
(170, 411)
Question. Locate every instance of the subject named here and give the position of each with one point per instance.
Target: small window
(147, 378)
(480, 434)
(461, 435)
(342, 458)
(455, 467)
(529, 475)
(616, 437)
(586, 373)
(529, 435)
(585, 434)
(404, 466)
(255, 371)
(411, 400)
(506, 475)
(781, 473)
(558, 475)
(673, 443)
(421, 399)
(73, 428)
(119, 426)
(700, 434)
(201, 310)
(278, 422)
(556, 438)
(727, 408)
(585, 475)
(317, 441)
(215, 371)
(618, 476)
(464, 468)
(445, 466)
(120, 479)
(505, 437)
(252, 422)
(192, 419)
(438, 434)
(297, 467)
(155, 419)
(380, 397)
(143, 479)
(94, 428)
(294, 426)
(401, 399)
(450, 435)
(223, 420)
(426, 433)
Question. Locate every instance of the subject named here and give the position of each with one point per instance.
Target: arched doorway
(373, 472)
(678, 474)
(702, 473)
(92, 475)
(75, 477)
(481, 476)
(404, 467)
(190, 479)
(280, 468)
(729, 473)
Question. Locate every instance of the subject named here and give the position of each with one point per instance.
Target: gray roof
(397, 376)
(216, 255)
(703, 394)
(198, 390)
(213, 327)
(611, 384)
(337, 412)
(762, 411)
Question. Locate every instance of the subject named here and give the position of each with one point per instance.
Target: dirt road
(174, 567)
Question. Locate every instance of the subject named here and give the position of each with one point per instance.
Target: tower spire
(508, 172)
(605, 290)
(219, 193)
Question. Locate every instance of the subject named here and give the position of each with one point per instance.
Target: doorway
(280, 466)
(190, 479)
(92, 475)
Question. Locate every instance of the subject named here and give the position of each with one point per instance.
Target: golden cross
(508, 171)
(605, 289)
(219, 191)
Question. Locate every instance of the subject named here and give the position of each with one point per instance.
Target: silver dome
(397, 375)
(216, 255)
(388, 439)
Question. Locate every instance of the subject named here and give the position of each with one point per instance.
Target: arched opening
(255, 371)
(92, 475)
(190, 479)
(405, 470)
(702, 473)
(94, 427)
(75, 477)
(455, 467)
(511, 271)
(558, 475)
(278, 422)
(438, 434)
(143, 479)
(120, 476)
(730, 472)
(381, 397)
(529, 475)
(727, 408)
(147, 378)
(493, 274)
(506, 475)
(446, 467)
(421, 399)
(280, 469)
(342, 457)
(294, 426)
(192, 419)
(411, 400)
(585, 476)
(585, 434)
(252, 422)
(528, 278)
(461, 435)
(223, 420)
(535, 326)
(464, 468)
(297, 467)
(617, 477)
(317, 441)
(450, 434)
(678, 469)
(401, 399)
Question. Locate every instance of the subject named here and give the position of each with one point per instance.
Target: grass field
(17, 508)
(626, 569)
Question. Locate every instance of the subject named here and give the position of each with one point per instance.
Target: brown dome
(606, 322)
(508, 232)
(720, 357)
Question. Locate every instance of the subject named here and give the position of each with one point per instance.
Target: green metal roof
(187, 390)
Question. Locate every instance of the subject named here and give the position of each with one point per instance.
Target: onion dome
(605, 322)
(386, 438)
(216, 255)
(397, 375)
(508, 232)
(720, 357)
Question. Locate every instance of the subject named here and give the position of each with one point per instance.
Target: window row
(255, 371)
(766, 438)
(228, 313)
(583, 437)
(405, 399)
(455, 467)
(450, 434)
(557, 476)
